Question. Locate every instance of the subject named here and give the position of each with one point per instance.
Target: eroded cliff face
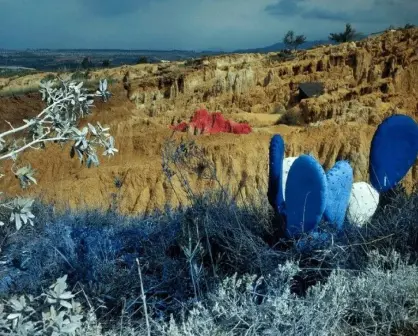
(364, 83)
(364, 80)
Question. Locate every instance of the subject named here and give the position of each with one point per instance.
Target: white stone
(363, 203)
(287, 163)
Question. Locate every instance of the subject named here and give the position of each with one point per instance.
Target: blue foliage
(306, 195)
(313, 241)
(276, 156)
(5, 284)
(393, 151)
(340, 182)
(94, 247)
(91, 247)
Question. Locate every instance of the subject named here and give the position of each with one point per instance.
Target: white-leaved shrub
(380, 300)
(57, 314)
(67, 102)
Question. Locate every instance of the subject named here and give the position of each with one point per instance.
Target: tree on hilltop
(350, 34)
(291, 41)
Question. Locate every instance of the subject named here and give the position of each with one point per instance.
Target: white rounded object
(287, 163)
(362, 204)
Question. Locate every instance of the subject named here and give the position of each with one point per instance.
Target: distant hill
(70, 59)
(280, 46)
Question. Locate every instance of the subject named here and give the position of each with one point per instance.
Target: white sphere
(362, 204)
(287, 163)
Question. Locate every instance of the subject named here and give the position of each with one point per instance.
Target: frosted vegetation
(211, 268)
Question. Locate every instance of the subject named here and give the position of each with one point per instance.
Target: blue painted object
(340, 182)
(393, 151)
(275, 190)
(306, 195)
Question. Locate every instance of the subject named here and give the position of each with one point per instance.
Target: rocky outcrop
(373, 76)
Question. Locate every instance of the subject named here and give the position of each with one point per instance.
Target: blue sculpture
(306, 195)
(340, 181)
(275, 190)
(393, 151)
(309, 193)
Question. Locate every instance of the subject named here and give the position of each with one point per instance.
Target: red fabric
(212, 123)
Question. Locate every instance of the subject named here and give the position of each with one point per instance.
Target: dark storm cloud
(366, 11)
(187, 24)
(323, 14)
(109, 8)
(298, 8)
(286, 7)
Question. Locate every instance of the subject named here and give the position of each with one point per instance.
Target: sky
(188, 24)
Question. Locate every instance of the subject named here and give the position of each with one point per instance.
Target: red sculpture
(204, 122)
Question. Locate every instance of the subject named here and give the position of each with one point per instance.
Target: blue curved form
(393, 151)
(340, 182)
(275, 190)
(306, 195)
